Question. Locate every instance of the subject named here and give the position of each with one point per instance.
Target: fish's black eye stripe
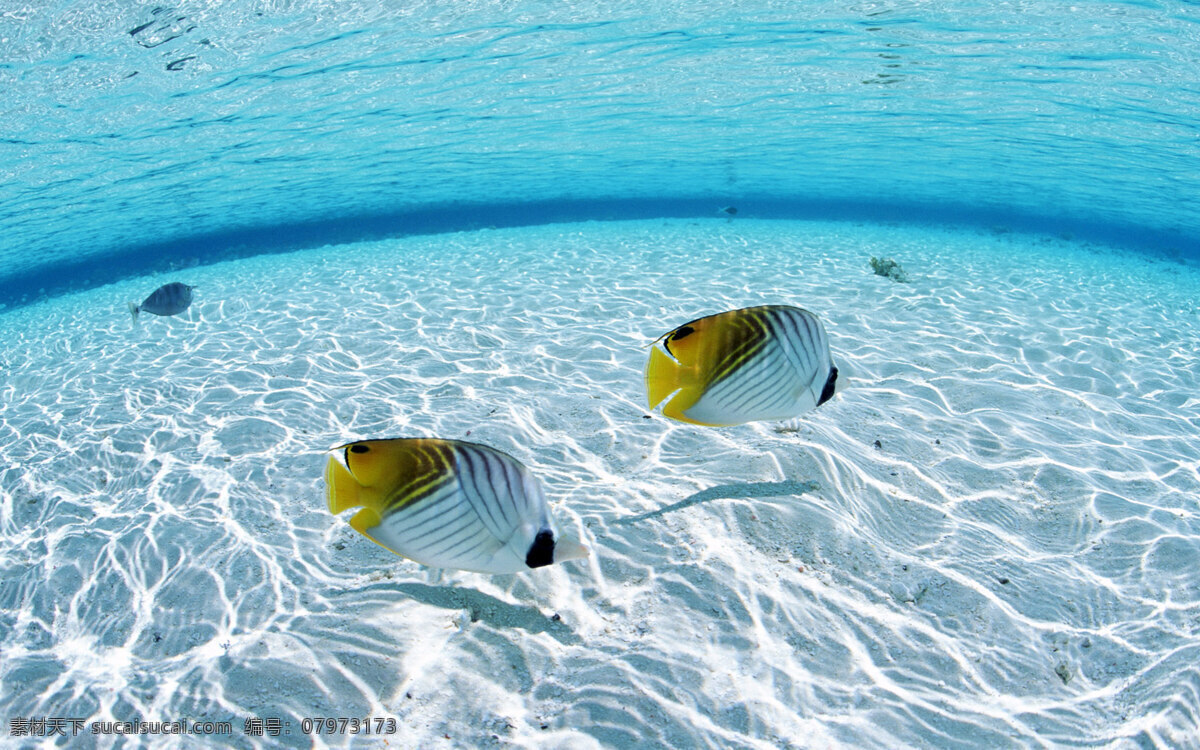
(678, 333)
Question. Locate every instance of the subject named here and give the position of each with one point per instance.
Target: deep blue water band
(90, 271)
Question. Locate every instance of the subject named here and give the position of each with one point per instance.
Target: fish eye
(682, 331)
(359, 448)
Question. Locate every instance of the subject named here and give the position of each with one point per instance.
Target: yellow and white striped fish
(759, 363)
(447, 504)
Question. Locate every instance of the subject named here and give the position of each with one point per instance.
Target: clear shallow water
(127, 126)
(1013, 565)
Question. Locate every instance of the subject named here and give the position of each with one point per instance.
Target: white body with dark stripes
(447, 504)
(787, 377)
(487, 518)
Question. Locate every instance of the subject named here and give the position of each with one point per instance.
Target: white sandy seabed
(990, 538)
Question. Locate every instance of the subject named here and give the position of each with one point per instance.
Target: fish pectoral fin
(367, 519)
(681, 401)
(671, 386)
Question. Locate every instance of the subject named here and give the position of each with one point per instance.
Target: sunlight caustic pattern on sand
(991, 536)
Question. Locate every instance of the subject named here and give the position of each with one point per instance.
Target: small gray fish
(168, 299)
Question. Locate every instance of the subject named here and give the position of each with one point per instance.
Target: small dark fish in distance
(168, 299)
(730, 211)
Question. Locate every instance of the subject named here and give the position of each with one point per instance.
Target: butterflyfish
(168, 299)
(447, 504)
(759, 363)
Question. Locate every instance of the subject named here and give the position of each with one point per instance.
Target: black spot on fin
(360, 448)
(827, 392)
(541, 552)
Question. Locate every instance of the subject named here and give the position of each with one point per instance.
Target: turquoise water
(468, 221)
(134, 135)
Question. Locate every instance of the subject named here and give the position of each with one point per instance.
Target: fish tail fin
(133, 310)
(569, 548)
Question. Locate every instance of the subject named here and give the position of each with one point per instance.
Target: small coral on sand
(889, 268)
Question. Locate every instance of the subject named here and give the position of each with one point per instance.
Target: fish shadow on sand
(724, 491)
(499, 614)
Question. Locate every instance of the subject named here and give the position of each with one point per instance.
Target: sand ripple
(989, 539)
